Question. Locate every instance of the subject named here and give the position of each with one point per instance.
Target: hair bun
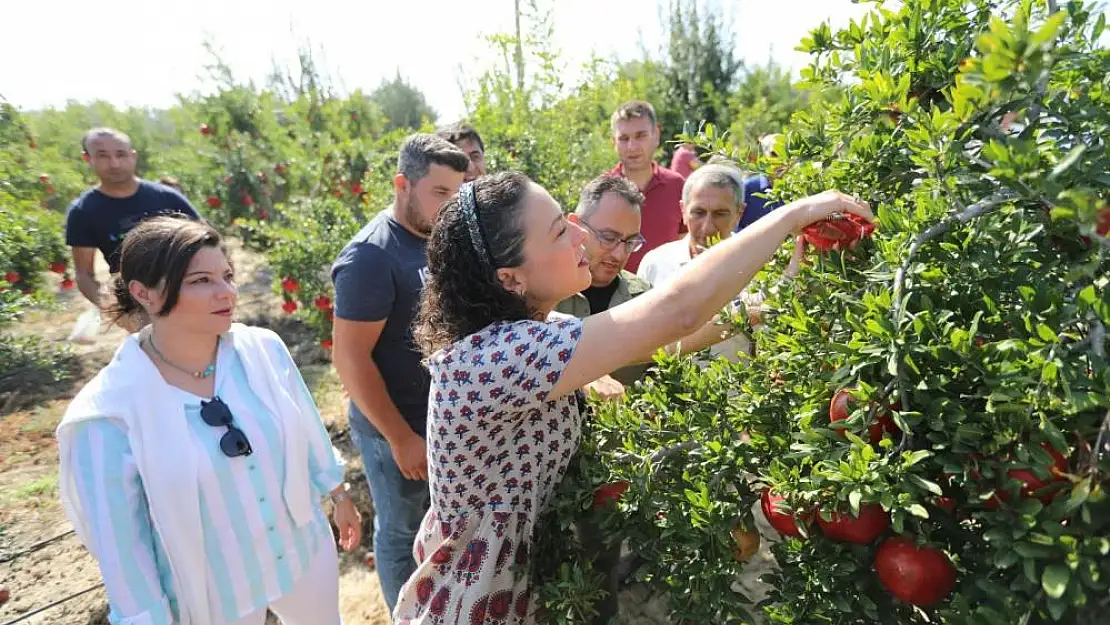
(125, 305)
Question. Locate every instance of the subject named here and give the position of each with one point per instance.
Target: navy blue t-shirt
(755, 208)
(380, 275)
(101, 221)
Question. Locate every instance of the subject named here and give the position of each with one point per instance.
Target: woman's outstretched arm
(624, 333)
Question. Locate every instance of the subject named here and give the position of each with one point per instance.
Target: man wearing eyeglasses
(609, 210)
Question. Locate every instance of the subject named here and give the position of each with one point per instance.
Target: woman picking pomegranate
(193, 465)
(505, 418)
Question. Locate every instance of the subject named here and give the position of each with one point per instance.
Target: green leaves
(1071, 159)
(925, 484)
(1055, 579)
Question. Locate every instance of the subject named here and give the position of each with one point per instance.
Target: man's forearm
(90, 288)
(709, 335)
(363, 381)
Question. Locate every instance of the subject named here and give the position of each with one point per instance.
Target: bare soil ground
(30, 512)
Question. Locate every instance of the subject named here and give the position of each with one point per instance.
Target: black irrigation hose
(20, 619)
(35, 547)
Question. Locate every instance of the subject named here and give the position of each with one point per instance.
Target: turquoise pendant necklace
(200, 375)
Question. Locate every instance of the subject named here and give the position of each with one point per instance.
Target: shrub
(973, 319)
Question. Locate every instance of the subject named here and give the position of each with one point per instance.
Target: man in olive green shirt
(609, 210)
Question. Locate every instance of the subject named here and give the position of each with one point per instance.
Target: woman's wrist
(341, 493)
(798, 214)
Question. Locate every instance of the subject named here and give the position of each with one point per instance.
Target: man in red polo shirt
(636, 137)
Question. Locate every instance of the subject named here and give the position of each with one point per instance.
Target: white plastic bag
(88, 324)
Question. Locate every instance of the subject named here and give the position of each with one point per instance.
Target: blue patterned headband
(468, 201)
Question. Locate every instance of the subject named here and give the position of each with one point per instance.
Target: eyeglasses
(610, 240)
(234, 442)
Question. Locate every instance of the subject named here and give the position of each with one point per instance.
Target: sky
(143, 52)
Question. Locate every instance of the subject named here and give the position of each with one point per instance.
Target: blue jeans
(399, 507)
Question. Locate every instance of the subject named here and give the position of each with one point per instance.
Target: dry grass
(360, 598)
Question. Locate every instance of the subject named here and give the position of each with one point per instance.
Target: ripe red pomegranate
(248, 200)
(264, 215)
(326, 343)
(323, 303)
(11, 277)
(213, 201)
(67, 284)
(58, 266)
(843, 232)
(921, 576)
(356, 188)
(1033, 485)
(864, 529)
(1103, 224)
(840, 410)
(947, 504)
(289, 284)
(609, 493)
(289, 307)
(785, 523)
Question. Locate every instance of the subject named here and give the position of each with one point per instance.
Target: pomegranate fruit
(871, 522)
(747, 543)
(609, 493)
(920, 576)
(784, 523)
(840, 410)
(842, 232)
(1032, 486)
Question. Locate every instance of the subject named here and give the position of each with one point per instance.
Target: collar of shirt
(655, 181)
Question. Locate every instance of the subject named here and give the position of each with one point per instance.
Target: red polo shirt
(661, 214)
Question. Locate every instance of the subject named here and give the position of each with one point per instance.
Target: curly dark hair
(463, 294)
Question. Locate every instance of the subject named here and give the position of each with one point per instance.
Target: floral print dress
(497, 450)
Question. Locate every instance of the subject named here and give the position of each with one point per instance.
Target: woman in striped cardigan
(194, 464)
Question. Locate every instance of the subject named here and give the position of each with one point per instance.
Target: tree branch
(665, 452)
(972, 212)
(977, 209)
(1097, 337)
(1096, 453)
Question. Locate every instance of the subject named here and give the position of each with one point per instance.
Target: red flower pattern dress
(497, 449)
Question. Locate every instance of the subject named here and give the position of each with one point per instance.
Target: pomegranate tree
(926, 417)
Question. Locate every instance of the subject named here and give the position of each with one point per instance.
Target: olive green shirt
(628, 286)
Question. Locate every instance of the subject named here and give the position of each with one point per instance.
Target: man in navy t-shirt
(104, 214)
(378, 281)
